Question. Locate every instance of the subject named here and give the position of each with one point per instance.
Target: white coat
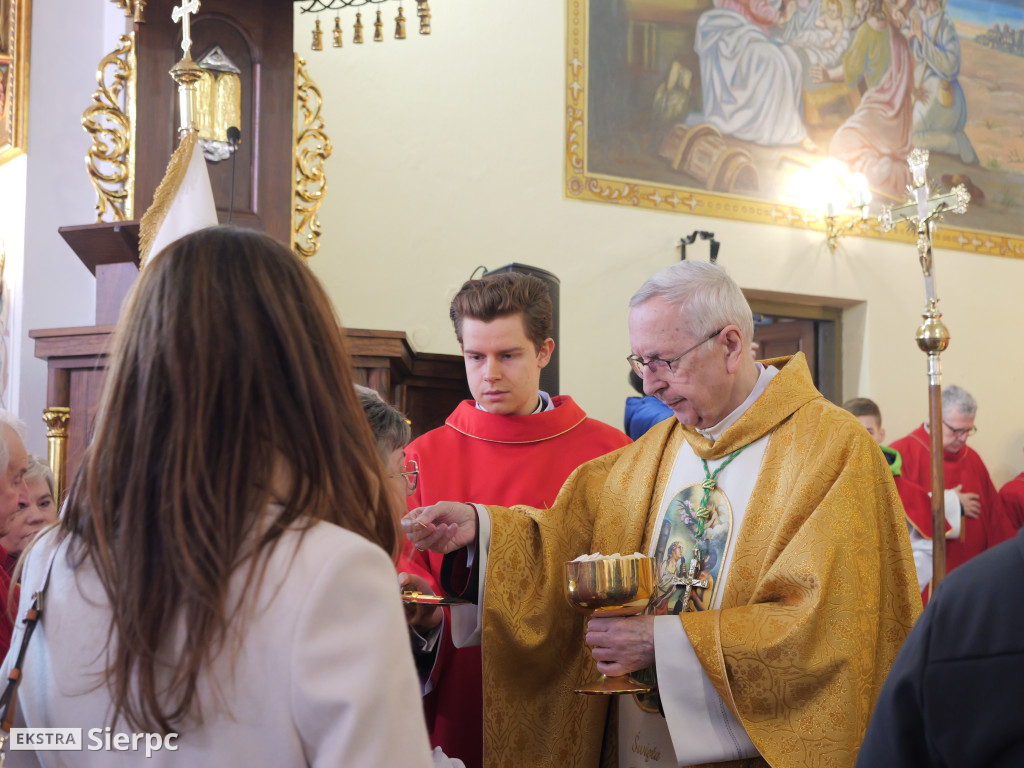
(324, 675)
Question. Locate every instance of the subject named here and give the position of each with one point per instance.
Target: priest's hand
(970, 503)
(621, 645)
(442, 527)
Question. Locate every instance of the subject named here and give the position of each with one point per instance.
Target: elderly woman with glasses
(391, 431)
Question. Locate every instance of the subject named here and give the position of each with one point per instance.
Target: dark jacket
(953, 695)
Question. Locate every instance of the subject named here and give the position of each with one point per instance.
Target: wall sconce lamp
(837, 225)
(841, 197)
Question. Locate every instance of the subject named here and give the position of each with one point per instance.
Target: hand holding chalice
(606, 587)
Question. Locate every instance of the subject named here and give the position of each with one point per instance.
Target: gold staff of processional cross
(186, 73)
(923, 213)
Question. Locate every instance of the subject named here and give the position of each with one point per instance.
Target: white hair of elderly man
(12, 421)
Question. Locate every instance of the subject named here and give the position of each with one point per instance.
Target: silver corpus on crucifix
(923, 213)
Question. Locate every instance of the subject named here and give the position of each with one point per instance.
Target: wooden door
(787, 336)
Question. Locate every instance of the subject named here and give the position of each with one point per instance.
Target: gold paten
(111, 158)
(415, 597)
(56, 418)
(312, 148)
(613, 586)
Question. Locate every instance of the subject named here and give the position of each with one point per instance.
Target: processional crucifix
(186, 73)
(182, 14)
(923, 213)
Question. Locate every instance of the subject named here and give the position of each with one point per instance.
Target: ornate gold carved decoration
(133, 8)
(15, 41)
(56, 418)
(111, 158)
(312, 148)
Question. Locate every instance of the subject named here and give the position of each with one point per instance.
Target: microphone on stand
(234, 138)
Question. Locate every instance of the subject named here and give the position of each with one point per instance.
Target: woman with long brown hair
(221, 570)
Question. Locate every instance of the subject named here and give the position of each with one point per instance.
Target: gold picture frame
(627, 60)
(15, 17)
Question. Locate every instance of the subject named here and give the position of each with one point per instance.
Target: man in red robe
(983, 521)
(1012, 496)
(511, 444)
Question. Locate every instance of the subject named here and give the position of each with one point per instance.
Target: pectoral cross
(923, 212)
(689, 581)
(182, 14)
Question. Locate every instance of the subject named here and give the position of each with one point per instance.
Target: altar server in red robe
(512, 444)
(917, 501)
(1012, 496)
(976, 503)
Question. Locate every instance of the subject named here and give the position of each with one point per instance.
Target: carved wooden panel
(426, 387)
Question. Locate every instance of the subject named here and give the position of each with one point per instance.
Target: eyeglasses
(411, 474)
(965, 432)
(656, 365)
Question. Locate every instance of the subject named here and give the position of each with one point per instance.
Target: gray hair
(706, 296)
(12, 421)
(389, 427)
(38, 468)
(956, 398)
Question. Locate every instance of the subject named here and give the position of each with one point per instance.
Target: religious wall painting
(14, 39)
(713, 106)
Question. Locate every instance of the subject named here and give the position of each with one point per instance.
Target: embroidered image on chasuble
(819, 595)
(674, 552)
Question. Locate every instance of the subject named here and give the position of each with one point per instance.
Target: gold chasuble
(820, 593)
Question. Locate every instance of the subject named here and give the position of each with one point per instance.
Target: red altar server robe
(1012, 496)
(490, 459)
(964, 468)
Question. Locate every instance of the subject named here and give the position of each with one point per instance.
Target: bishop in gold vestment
(819, 596)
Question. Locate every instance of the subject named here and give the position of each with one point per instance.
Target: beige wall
(448, 153)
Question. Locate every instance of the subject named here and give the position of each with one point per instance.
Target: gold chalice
(619, 586)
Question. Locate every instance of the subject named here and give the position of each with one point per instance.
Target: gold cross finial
(182, 14)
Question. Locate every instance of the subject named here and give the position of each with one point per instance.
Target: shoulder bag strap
(32, 617)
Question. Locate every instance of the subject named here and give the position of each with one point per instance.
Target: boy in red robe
(917, 502)
(511, 444)
(983, 520)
